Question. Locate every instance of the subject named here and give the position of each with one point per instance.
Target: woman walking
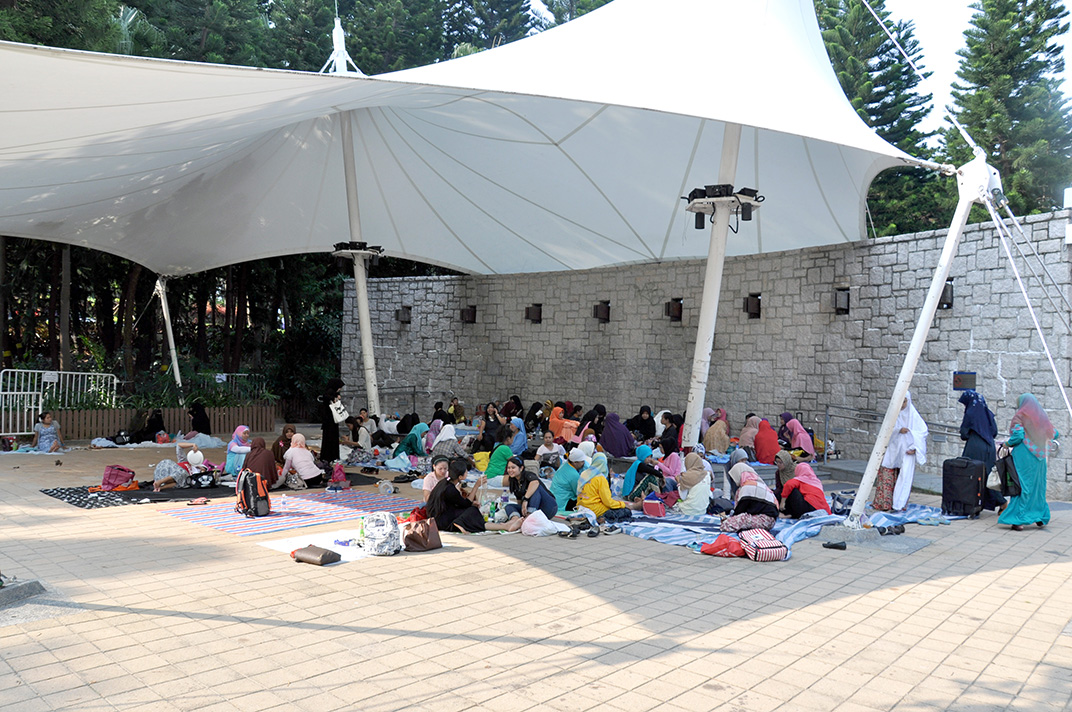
(1030, 434)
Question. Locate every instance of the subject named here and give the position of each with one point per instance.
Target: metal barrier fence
(26, 393)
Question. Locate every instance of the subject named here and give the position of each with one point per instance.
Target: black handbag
(1010, 478)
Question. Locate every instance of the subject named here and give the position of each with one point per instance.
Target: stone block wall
(799, 355)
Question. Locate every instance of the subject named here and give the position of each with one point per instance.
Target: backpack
(760, 545)
(252, 491)
(381, 534)
(116, 476)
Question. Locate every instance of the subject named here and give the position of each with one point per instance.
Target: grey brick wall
(798, 356)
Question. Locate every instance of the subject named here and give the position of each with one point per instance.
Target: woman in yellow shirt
(593, 492)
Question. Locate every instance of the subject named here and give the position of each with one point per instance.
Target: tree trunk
(129, 316)
(200, 305)
(228, 335)
(104, 301)
(5, 349)
(241, 316)
(66, 364)
(54, 309)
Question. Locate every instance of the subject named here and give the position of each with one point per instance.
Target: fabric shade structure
(567, 150)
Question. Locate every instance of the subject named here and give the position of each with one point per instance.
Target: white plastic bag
(537, 524)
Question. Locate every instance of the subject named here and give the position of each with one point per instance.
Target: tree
(1010, 101)
(73, 24)
(232, 32)
(498, 22)
(566, 10)
(390, 35)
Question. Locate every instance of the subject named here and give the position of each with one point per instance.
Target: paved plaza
(146, 612)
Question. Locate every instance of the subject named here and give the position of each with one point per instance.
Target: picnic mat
(81, 497)
(324, 540)
(302, 510)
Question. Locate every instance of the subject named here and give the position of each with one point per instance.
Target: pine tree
(1010, 102)
(389, 35)
(501, 21)
(87, 24)
(566, 10)
(231, 32)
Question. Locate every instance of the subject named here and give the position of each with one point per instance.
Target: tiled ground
(174, 616)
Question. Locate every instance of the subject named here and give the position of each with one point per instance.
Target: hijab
(750, 485)
(432, 434)
(520, 443)
(236, 439)
(805, 474)
(766, 443)
(280, 446)
(784, 462)
(637, 423)
(439, 414)
(261, 461)
(413, 443)
(783, 429)
(717, 438)
(558, 421)
(800, 438)
(1038, 430)
(596, 468)
(297, 440)
(642, 453)
(694, 472)
(588, 448)
(748, 433)
(705, 420)
(909, 418)
(977, 416)
(447, 433)
(721, 414)
(199, 419)
(616, 439)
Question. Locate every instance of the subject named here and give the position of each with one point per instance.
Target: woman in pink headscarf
(1030, 434)
(799, 438)
(803, 493)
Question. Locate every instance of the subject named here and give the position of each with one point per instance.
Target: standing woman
(908, 448)
(1030, 434)
(329, 442)
(978, 430)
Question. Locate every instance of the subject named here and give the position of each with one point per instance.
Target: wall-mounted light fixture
(534, 313)
(752, 305)
(841, 300)
(469, 314)
(946, 302)
(601, 312)
(404, 314)
(674, 308)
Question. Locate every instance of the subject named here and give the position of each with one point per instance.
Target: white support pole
(716, 258)
(973, 180)
(161, 291)
(368, 356)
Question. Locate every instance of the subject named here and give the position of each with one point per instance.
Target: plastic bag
(725, 546)
(537, 524)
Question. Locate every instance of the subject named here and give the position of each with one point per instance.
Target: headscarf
(588, 448)
(659, 427)
(783, 429)
(512, 407)
(646, 428)
(432, 434)
(784, 462)
(721, 414)
(405, 425)
(280, 446)
(642, 453)
(446, 433)
(736, 456)
(261, 461)
(616, 439)
(596, 468)
(298, 440)
(694, 471)
(236, 439)
(1038, 430)
(748, 433)
(800, 438)
(977, 416)
(805, 474)
(567, 408)
(705, 420)
(750, 485)
(670, 465)
(558, 421)
(413, 443)
(199, 420)
(766, 446)
(717, 438)
(577, 456)
(520, 443)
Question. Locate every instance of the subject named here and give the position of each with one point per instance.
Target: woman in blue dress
(978, 430)
(1030, 434)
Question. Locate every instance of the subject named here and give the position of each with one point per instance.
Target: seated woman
(282, 443)
(549, 447)
(755, 506)
(695, 486)
(717, 439)
(668, 441)
(642, 477)
(616, 438)
(47, 434)
(440, 465)
(593, 492)
(799, 438)
(455, 510)
(358, 433)
(766, 443)
(560, 425)
(595, 419)
(736, 456)
(433, 432)
(301, 461)
(261, 461)
(500, 455)
(490, 424)
(783, 430)
(446, 445)
(564, 482)
(531, 494)
(747, 438)
(803, 493)
(786, 469)
(642, 425)
(199, 422)
(519, 441)
(441, 415)
(413, 443)
(237, 450)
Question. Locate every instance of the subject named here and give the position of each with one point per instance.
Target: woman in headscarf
(261, 461)
(695, 485)
(533, 417)
(446, 445)
(717, 438)
(616, 438)
(707, 416)
(643, 476)
(642, 425)
(799, 439)
(721, 414)
(433, 432)
(562, 428)
(735, 457)
(747, 438)
(766, 446)
(237, 450)
(329, 438)
(199, 422)
(907, 450)
(803, 493)
(441, 415)
(564, 482)
(455, 510)
(301, 460)
(755, 506)
(783, 429)
(593, 492)
(519, 442)
(282, 443)
(595, 418)
(787, 467)
(661, 420)
(413, 443)
(978, 429)
(406, 423)
(1030, 433)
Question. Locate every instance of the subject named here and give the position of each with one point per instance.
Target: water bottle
(283, 502)
(616, 484)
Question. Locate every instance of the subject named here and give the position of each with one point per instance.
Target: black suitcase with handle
(963, 483)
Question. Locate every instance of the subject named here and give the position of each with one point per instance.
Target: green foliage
(566, 10)
(390, 35)
(73, 24)
(1010, 101)
(498, 22)
(232, 32)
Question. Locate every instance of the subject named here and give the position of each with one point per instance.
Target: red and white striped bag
(760, 545)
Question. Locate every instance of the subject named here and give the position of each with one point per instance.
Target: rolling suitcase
(963, 481)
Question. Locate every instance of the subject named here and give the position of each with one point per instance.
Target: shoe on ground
(898, 529)
(593, 533)
(1017, 528)
(612, 529)
(1040, 524)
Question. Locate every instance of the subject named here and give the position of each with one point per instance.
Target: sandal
(197, 502)
(593, 533)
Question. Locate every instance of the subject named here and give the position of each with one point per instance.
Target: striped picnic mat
(302, 510)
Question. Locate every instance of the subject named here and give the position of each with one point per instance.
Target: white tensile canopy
(566, 150)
